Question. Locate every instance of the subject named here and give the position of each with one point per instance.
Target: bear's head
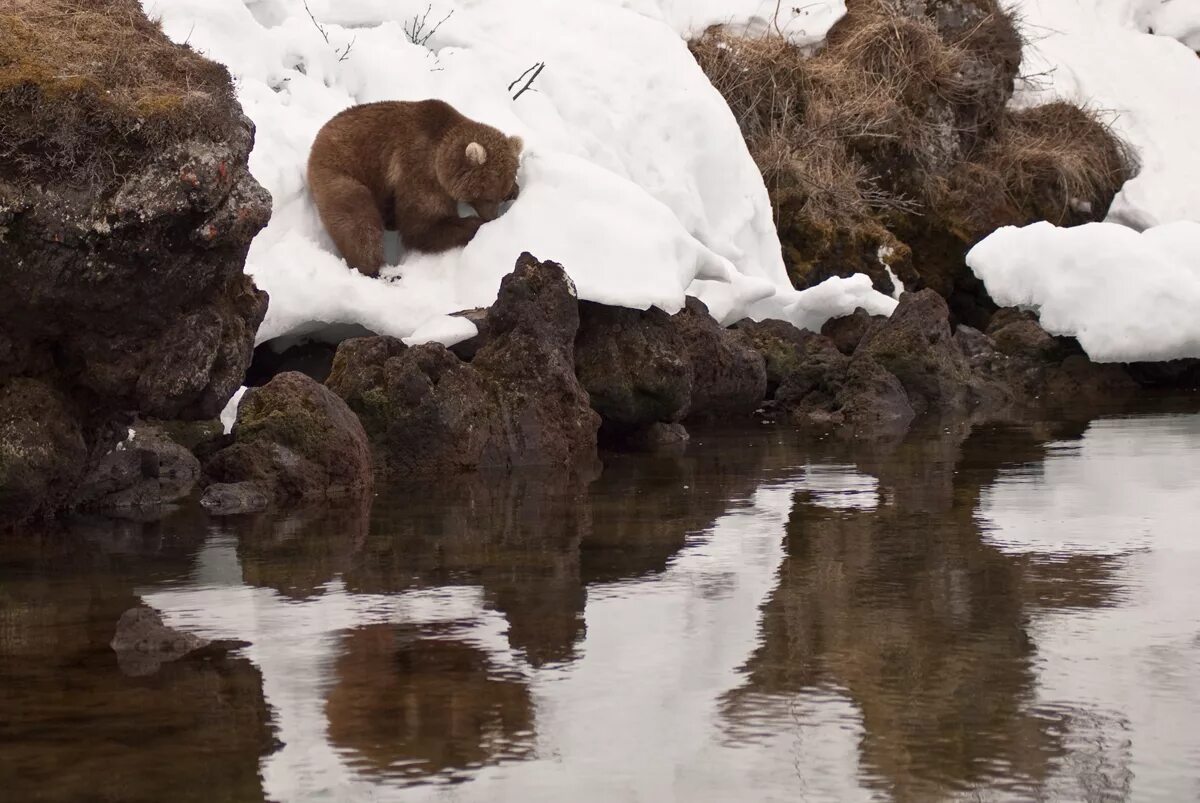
(476, 164)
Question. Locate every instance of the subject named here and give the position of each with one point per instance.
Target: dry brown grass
(83, 81)
(900, 120)
(1056, 162)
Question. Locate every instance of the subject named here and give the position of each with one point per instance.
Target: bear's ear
(516, 144)
(476, 153)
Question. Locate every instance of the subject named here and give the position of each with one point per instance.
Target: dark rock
(143, 643)
(730, 375)
(146, 470)
(633, 364)
(847, 332)
(518, 402)
(830, 389)
(467, 349)
(424, 410)
(916, 346)
(1018, 333)
(780, 343)
(229, 499)
(124, 231)
(296, 440)
(544, 415)
(314, 359)
(658, 437)
(42, 450)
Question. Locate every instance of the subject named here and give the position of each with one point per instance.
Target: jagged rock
(915, 344)
(295, 439)
(466, 349)
(143, 643)
(830, 389)
(780, 343)
(126, 211)
(1039, 367)
(424, 410)
(518, 402)
(42, 450)
(633, 364)
(729, 374)
(147, 470)
(229, 499)
(847, 332)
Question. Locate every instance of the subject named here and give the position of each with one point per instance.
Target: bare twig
(320, 27)
(419, 33)
(344, 53)
(536, 70)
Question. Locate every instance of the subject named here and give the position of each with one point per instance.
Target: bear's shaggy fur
(406, 166)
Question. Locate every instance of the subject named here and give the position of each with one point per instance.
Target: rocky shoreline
(127, 324)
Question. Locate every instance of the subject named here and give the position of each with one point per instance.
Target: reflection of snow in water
(634, 718)
(1128, 489)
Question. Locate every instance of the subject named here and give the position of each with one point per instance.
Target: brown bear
(405, 166)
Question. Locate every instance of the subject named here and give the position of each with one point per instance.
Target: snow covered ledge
(636, 177)
(1127, 296)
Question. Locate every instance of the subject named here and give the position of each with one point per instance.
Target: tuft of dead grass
(1057, 162)
(85, 85)
(898, 128)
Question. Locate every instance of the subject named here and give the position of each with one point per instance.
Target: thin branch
(320, 27)
(536, 69)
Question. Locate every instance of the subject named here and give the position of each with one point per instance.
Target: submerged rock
(146, 470)
(518, 402)
(234, 498)
(126, 211)
(295, 439)
(143, 643)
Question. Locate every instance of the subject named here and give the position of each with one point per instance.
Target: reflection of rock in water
(73, 726)
(298, 552)
(515, 534)
(412, 703)
(919, 622)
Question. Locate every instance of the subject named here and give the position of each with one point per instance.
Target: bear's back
(363, 140)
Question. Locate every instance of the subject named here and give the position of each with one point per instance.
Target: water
(969, 613)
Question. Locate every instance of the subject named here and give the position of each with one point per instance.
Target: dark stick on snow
(536, 69)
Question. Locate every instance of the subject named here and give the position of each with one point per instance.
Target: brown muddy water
(968, 613)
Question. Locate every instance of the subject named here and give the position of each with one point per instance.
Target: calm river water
(968, 613)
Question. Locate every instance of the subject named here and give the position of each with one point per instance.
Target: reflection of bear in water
(406, 166)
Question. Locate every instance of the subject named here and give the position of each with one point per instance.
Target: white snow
(1126, 295)
(229, 414)
(635, 176)
(1095, 53)
(804, 24)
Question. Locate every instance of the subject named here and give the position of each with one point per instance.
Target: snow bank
(804, 24)
(635, 178)
(1128, 296)
(1094, 53)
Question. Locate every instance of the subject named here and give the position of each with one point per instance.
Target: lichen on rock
(126, 212)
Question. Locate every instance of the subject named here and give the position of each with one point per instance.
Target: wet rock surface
(875, 376)
(517, 402)
(730, 375)
(145, 471)
(122, 238)
(295, 439)
(634, 365)
(234, 498)
(42, 450)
